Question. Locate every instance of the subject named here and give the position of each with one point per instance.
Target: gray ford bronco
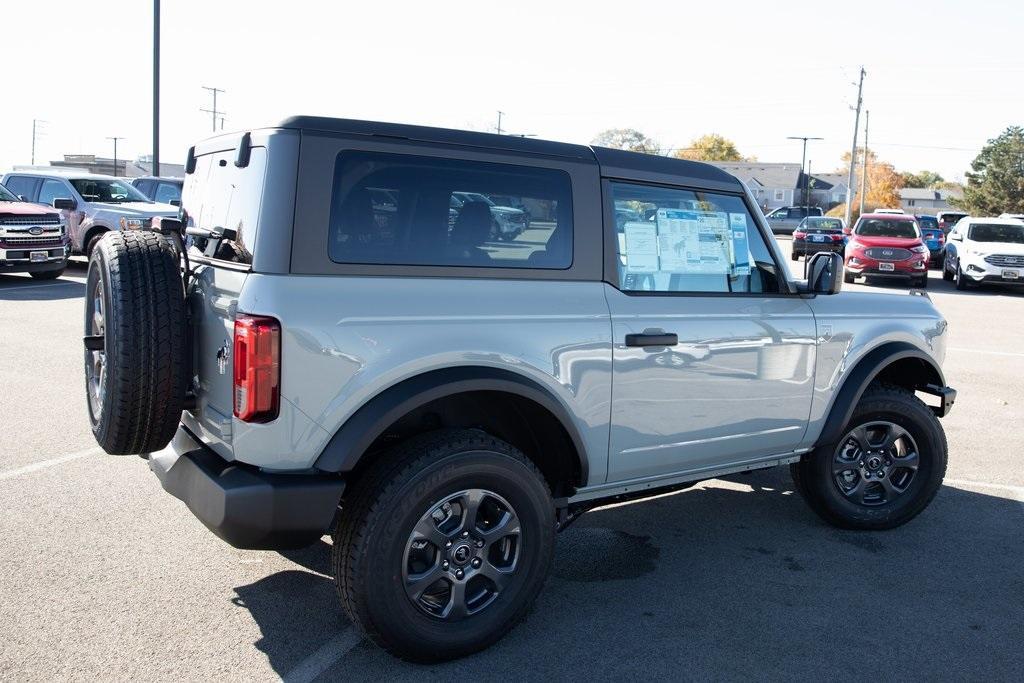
(324, 342)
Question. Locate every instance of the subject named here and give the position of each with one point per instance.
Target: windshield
(997, 233)
(880, 227)
(473, 197)
(6, 196)
(103, 190)
(927, 221)
(824, 223)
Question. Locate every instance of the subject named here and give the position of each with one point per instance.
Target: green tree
(995, 183)
(626, 138)
(922, 179)
(710, 147)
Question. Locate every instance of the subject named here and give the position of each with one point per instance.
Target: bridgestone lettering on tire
(135, 385)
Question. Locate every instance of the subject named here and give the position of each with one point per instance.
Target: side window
(21, 185)
(165, 192)
(693, 242)
(52, 189)
(145, 187)
(396, 209)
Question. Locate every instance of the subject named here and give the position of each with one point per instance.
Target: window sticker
(641, 247)
(740, 248)
(694, 242)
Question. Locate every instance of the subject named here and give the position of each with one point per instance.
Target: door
(713, 359)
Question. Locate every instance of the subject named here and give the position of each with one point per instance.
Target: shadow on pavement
(725, 583)
(27, 289)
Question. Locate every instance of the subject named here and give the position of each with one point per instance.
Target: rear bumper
(814, 247)
(243, 505)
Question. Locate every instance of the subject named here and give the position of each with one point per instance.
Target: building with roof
(782, 184)
(923, 200)
(125, 168)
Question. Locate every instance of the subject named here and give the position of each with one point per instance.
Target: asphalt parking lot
(103, 576)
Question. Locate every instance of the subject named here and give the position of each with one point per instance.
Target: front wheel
(849, 278)
(444, 544)
(922, 282)
(947, 275)
(795, 256)
(884, 470)
(960, 279)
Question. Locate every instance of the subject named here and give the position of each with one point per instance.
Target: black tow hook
(93, 342)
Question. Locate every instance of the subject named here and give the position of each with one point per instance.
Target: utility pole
(500, 114)
(803, 162)
(853, 150)
(864, 163)
(37, 130)
(115, 139)
(214, 112)
(156, 87)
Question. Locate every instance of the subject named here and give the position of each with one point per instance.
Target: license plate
(888, 267)
(37, 256)
(1011, 274)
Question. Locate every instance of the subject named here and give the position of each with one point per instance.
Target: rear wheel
(443, 545)
(884, 470)
(135, 362)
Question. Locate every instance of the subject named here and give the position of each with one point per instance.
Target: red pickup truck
(33, 238)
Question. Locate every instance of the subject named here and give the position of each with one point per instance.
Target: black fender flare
(865, 372)
(355, 436)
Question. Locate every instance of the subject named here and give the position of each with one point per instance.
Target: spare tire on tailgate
(136, 366)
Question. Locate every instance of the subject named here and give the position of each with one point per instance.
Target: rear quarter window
(397, 209)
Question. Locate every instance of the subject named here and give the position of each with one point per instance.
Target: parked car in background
(933, 237)
(947, 219)
(985, 250)
(33, 239)
(507, 222)
(818, 233)
(887, 245)
(163, 190)
(785, 219)
(98, 205)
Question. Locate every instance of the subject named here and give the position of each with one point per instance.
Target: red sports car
(887, 245)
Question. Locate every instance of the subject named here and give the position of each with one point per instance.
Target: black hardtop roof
(614, 160)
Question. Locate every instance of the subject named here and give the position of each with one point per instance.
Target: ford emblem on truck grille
(35, 231)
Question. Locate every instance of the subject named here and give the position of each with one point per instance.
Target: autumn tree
(995, 183)
(626, 138)
(883, 186)
(710, 147)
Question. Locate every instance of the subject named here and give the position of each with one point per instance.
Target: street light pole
(803, 163)
(115, 139)
(156, 87)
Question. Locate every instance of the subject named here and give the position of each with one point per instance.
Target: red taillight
(257, 368)
(797, 235)
(837, 238)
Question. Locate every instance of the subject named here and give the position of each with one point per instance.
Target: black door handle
(660, 339)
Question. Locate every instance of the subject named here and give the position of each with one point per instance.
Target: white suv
(985, 250)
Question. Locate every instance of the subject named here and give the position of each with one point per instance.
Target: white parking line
(991, 353)
(42, 465)
(324, 658)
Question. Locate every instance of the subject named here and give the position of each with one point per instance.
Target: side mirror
(175, 202)
(824, 273)
(956, 237)
(64, 203)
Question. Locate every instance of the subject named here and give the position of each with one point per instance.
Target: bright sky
(942, 77)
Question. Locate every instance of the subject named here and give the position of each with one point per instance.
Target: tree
(923, 179)
(995, 183)
(710, 147)
(626, 138)
(883, 187)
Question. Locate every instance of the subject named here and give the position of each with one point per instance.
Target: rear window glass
(927, 221)
(397, 209)
(218, 196)
(880, 227)
(824, 223)
(997, 233)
